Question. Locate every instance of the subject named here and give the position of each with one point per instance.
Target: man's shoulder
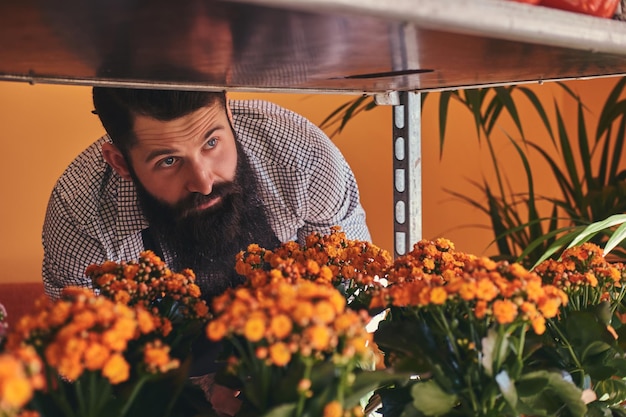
(85, 177)
(275, 133)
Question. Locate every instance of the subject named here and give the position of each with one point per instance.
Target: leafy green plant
(590, 182)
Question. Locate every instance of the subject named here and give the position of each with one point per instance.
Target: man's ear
(229, 112)
(114, 157)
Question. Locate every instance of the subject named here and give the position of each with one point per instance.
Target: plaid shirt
(305, 183)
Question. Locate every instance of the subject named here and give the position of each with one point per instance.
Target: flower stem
(567, 344)
(133, 395)
(302, 395)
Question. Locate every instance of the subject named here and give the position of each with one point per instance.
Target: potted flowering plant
(461, 335)
(584, 339)
(297, 338)
(123, 351)
(459, 323)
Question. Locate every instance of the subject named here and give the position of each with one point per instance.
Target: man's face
(183, 162)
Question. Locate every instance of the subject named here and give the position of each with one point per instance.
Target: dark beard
(207, 241)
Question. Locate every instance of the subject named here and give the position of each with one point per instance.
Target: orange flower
(145, 321)
(333, 409)
(549, 307)
(216, 330)
(280, 355)
(468, 290)
(486, 290)
(539, 324)
(303, 313)
(318, 336)
(255, 328)
(116, 369)
(481, 309)
(96, 356)
(505, 311)
(438, 295)
(16, 388)
(157, 358)
(280, 326)
(324, 312)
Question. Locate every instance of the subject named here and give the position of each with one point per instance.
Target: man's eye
(211, 143)
(167, 162)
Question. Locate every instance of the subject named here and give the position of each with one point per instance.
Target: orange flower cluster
(283, 319)
(85, 332)
(330, 258)
(583, 267)
(428, 257)
(335, 409)
(146, 280)
(20, 375)
(496, 291)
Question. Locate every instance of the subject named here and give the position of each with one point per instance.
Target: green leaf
(430, 399)
(444, 102)
(507, 388)
(596, 227)
(568, 157)
(619, 366)
(616, 151)
(283, 410)
(611, 391)
(611, 109)
(594, 348)
(583, 147)
(368, 381)
(504, 95)
(532, 97)
(556, 393)
(532, 384)
(474, 103)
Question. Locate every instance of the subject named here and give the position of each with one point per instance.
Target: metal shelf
(341, 46)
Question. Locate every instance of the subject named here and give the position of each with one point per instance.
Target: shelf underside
(315, 46)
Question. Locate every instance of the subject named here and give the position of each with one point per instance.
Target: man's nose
(200, 179)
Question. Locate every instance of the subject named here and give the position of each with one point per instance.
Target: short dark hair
(117, 108)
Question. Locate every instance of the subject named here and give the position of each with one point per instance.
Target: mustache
(221, 190)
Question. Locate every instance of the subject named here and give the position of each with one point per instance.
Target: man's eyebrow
(158, 152)
(166, 151)
(212, 130)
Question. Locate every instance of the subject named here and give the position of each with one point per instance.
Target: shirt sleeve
(333, 194)
(68, 249)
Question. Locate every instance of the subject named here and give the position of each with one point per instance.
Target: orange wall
(42, 127)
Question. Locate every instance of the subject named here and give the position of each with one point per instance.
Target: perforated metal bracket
(407, 169)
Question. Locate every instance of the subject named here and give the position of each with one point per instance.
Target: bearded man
(195, 178)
